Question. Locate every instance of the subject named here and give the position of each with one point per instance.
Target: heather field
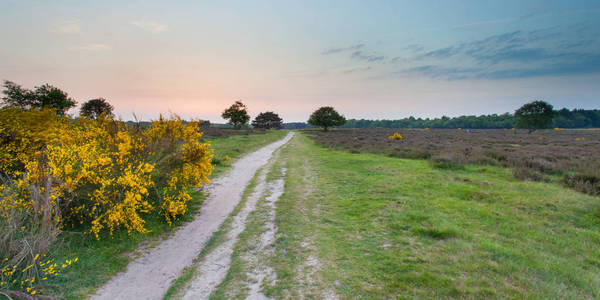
(570, 156)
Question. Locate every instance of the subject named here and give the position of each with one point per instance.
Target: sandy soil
(261, 272)
(213, 268)
(149, 276)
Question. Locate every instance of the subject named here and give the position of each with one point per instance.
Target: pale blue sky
(369, 59)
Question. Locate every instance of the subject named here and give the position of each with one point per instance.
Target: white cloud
(68, 27)
(151, 26)
(90, 47)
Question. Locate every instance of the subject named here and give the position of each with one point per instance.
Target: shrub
(101, 171)
(395, 136)
(585, 183)
(94, 174)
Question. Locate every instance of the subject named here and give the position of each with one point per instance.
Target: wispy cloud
(370, 57)
(342, 49)
(152, 26)
(68, 27)
(515, 54)
(90, 47)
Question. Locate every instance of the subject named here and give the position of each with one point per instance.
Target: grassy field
(570, 156)
(385, 227)
(99, 260)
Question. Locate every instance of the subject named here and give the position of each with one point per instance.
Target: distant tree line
(564, 118)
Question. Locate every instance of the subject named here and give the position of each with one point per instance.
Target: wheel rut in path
(150, 276)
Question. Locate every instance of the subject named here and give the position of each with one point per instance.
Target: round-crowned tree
(95, 108)
(237, 114)
(534, 115)
(44, 96)
(326, 117)
(267, 120)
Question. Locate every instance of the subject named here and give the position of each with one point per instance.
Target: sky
(368, 59)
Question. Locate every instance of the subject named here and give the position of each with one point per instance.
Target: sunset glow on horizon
(372, 60)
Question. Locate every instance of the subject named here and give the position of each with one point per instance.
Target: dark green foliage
(44, 96)
(267, 120)
(95, 108)
(297, 125)
(577, 118)
(485, 122)
(326, 117)
(534, 115)
(237, 114)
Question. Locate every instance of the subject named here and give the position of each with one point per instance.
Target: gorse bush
(101, 171)
(98, 176)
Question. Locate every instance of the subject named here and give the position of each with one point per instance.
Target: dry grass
(575, 154)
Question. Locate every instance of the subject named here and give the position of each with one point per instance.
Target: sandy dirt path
(149, 276)
(216, 263)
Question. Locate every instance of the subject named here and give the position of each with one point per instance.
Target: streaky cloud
(342, 49)
(361, 55)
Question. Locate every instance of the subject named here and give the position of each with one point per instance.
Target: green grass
(238, 145)
(99, 260)
(385, 227)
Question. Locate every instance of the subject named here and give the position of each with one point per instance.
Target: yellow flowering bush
(395, 136)
(96, 175)
(186, 167)
(99, 173)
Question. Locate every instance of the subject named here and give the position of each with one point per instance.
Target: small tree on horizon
(267, 120)
(326, 117)
(44, 96)
(94, 108)
(236, 114)
(534, 115)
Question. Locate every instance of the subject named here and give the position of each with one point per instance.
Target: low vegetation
(384, 227)
(572, 156)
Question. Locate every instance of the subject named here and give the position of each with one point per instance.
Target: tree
(534, 115)
(267, 120)
(237, 114)
(44, 96)
(326, 117)
(95, 108)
